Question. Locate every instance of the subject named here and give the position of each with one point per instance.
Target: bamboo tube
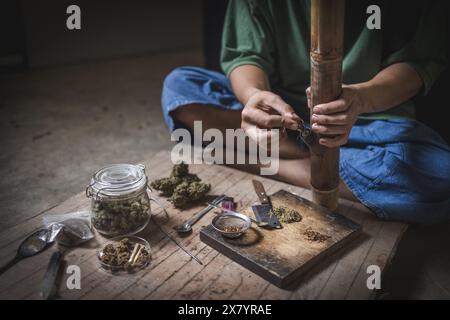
(327, 34)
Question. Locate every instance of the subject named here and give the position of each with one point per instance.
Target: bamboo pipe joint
(326, 198)
(327, 34)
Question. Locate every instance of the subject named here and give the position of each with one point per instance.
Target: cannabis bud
(287, 215)
(181, 186)
(121, 216)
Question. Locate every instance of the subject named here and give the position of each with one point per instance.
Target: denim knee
(175, 78)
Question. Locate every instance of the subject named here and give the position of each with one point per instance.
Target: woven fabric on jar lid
(118, 180)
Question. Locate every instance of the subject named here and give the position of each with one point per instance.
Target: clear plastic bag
(69, 229)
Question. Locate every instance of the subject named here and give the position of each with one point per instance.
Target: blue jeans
(398, 168)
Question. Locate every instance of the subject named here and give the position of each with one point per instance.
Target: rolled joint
(326, 198)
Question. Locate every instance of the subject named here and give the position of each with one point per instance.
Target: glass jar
(120, 204)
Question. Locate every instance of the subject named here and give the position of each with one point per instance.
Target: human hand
(265, 110)
(335, 119)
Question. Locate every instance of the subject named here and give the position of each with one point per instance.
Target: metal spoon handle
(12, 262)
(205, 210)
(199, 215)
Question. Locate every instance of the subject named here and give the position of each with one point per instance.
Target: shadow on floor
(420, 268)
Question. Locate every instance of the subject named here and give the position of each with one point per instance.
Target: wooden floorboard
(173, 274)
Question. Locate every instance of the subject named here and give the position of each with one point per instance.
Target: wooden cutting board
(281, 255)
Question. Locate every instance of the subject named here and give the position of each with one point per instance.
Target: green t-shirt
(275, 36)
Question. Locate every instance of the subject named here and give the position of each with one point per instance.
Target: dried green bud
(166, 185)
(180, 170)
(190, 177)
(287, 215)
(179, 200)
(109, 249)
(181, 187)
(197, 190)
(119, 254)
(120, 216)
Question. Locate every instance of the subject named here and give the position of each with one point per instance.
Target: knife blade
(263, 212)
(47, 289)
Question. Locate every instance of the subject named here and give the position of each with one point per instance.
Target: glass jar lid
(118, 180)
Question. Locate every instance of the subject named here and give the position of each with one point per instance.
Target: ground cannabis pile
(118, 255)
(287, 215)
(315, 236)
(234, 229)
(181, 186)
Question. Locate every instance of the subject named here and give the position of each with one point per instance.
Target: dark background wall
(110, 29)
(34, 34)
(12, 40)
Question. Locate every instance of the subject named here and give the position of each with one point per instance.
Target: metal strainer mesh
(224, 222)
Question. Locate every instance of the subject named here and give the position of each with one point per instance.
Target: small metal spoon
(186, 226)
(32, 245)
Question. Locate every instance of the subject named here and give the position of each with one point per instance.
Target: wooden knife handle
(260, 192)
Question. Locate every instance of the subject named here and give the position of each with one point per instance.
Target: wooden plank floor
(174, 275)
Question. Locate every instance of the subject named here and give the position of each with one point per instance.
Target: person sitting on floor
(394, 165)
